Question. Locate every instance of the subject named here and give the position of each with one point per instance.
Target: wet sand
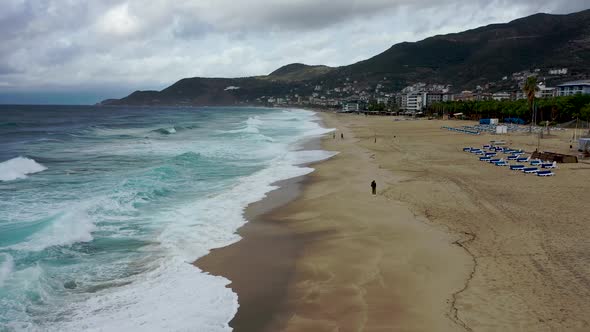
(448, 244)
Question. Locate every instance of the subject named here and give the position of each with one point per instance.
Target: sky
(83, 51)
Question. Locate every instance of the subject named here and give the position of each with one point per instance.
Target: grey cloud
(151, 43)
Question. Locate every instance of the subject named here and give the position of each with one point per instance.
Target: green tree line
(556, 109)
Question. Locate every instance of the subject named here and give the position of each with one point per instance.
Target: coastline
(282, 250)
(448, 244)
(260, 265)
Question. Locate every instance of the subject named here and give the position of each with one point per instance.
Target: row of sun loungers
(462, 130)
(537, 166)
(511, 128)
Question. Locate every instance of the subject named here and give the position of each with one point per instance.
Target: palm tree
(530, 88)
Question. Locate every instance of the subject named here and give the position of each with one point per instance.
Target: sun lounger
(513, 157)
(474, 150)
(517, 167)
(467, 149)
(530, 170)
(485, 159)
(490, 154)
(501, 163)
(536, 162)
(549, 165)
(523, 160)
(487, 146)
(494, 160)
(545, 173)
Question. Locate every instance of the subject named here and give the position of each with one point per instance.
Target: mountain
(464, 60)
(299, 72)
(486, 53)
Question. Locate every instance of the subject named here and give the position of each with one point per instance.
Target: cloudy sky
(81, 51)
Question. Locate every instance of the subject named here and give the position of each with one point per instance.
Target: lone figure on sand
(342, 135)
(374, 187)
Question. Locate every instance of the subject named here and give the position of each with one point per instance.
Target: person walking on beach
(374, 187)
(334, 135)
(342, 135)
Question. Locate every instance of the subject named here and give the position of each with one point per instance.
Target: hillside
(299, 72)
(486, 53)
(462, 59)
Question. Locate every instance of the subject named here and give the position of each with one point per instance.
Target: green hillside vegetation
(298, 72)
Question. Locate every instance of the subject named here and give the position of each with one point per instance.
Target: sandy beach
(447, 244)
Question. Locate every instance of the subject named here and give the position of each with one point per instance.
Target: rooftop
(573, 83)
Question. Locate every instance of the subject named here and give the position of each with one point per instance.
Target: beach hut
(501, 129)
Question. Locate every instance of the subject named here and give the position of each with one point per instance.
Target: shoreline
(259, 275)
(447, 244)
(265, 266)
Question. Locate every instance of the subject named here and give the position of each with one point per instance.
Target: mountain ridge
(465, 59)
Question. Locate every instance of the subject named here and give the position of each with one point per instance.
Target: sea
(103, 210)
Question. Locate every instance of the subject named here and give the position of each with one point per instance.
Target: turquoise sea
(103, 209)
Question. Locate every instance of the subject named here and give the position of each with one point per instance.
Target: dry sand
(448, 244)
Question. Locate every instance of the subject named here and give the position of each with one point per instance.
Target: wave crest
(18, 168)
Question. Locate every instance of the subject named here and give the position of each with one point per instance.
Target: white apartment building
(501, 96)
(413, 102)
(572, 88)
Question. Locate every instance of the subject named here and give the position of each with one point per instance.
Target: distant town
(416, 98)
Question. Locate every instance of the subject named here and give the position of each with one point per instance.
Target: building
(433, 98)
(498, 96)
(572, 88)
(448, 97)
(413, 102)
(383, 100)
(465, 96)
(545, 92)
(351, 106)
(558, 71)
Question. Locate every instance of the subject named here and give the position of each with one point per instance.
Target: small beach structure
(517, 167)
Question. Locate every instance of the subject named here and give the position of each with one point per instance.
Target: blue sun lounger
(513, 157)
(522, 160)
(536, 162)
(501, 163)
(494, 160)
(517, 167)
(530, 170)
(545, 173)
(549, 165)
(467, 149)
(485, 159)
(490, 154)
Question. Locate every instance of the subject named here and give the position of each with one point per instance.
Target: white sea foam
(6, 268)
(18, 168)
(63, 229)
(176, 296)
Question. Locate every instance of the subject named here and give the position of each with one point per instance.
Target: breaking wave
(18, 168)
